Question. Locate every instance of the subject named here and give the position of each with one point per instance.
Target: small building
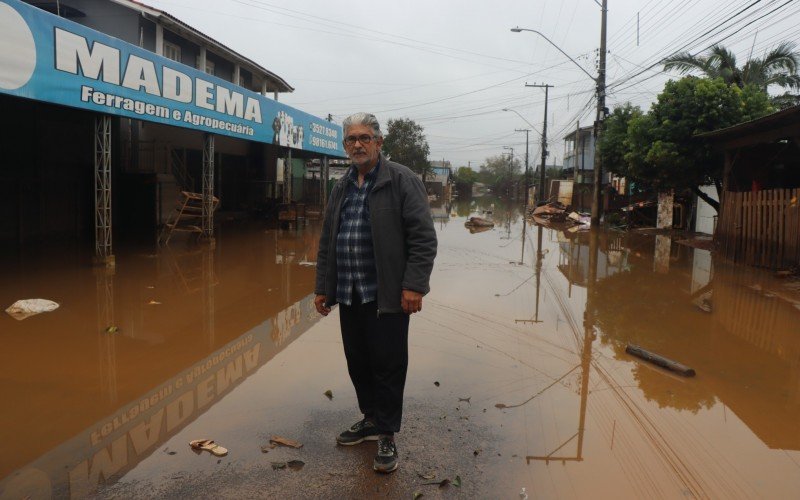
(440, 182)
(759, 217)
(579, 153)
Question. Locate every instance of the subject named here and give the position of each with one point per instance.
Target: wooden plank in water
(659, 360)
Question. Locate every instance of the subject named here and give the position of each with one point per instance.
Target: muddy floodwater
(518, 374)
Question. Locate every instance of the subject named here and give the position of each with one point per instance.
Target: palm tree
(777, 67)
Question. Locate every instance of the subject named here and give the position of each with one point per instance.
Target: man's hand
(319, 303)
(411, 301)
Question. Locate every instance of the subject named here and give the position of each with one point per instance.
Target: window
(172, 51)
(209, 65)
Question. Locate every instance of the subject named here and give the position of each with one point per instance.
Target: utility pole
(511, 164)
(512, 151)
(527, 177)
(542, 179)
(601, 111)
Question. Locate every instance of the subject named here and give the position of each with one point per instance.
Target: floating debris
(208, 445)
(26, 308)
(328, 394)
(659, 360)
(291, 464)
(478, 221)
(285, 442)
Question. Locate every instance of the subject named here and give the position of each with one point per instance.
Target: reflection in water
(440, 210)
(479, 229)
(575, 260)
(106, 324)
(721, 320)
(585, 348)
(735, 326)
(248, 297)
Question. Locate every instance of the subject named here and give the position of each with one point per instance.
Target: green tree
(405, 143)
(500, 172)
(465, 175)
(660, 147)
(777, 67)
(464, 178)
(612, 146)
(553, 172)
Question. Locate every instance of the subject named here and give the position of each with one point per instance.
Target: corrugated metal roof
(784, 117)
(279, 84)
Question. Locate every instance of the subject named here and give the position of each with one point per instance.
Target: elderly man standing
(375, 259)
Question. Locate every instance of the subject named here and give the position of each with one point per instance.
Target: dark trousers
(376, 349)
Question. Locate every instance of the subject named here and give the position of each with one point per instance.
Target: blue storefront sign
(47, 58)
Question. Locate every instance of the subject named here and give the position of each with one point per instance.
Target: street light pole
(531, 125)
(542, 178)
(527, 176)
(600, 81)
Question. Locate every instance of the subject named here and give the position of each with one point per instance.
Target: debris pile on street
(557, 215)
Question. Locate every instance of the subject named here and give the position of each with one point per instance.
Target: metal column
(103, 252)
(287, 177)
(324, 180)
(208, 186)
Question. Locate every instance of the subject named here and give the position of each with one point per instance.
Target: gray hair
(367, 119)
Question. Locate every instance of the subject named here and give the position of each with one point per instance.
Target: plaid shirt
(355, 257)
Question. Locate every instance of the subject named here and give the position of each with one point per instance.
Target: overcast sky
(452, 66)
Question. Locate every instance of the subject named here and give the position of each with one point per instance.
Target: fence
(760, 228)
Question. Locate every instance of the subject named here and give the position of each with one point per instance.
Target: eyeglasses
(363, 139)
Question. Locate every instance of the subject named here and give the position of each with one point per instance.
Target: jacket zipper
(377, 298)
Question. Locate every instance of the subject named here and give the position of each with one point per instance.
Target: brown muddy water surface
(518, 375)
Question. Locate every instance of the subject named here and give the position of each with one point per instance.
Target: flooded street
(518, 375)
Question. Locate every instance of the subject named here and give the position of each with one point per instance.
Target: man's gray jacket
(403, 236)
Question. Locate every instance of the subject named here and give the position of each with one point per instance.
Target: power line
(687, 44)
(704, 49)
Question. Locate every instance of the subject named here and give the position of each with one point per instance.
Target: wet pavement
(518, 375)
